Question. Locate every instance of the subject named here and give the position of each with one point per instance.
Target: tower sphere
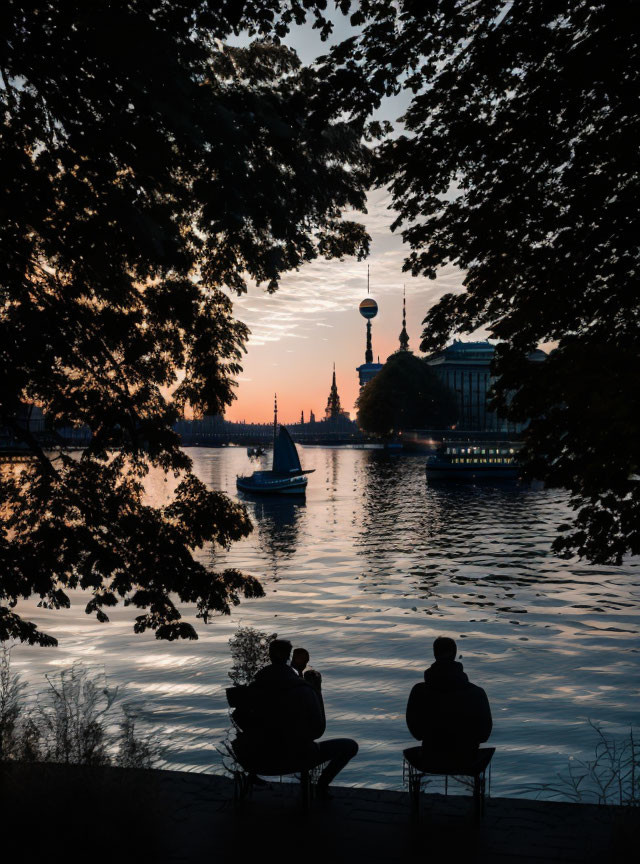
(368, 308)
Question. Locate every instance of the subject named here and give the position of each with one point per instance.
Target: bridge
(252, 437)
(216, 432)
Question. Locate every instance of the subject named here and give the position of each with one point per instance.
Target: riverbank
(83, 813)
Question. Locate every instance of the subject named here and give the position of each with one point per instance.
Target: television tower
(368, 309)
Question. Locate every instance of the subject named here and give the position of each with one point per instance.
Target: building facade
(367, 371)
(465, 368)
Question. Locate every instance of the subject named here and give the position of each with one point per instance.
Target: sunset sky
(313, 320)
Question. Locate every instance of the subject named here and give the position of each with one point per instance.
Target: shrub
(249, 652)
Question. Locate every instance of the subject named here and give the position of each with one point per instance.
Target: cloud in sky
(325, 294)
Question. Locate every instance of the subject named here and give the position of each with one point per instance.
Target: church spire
(404, 336)
(334, 408)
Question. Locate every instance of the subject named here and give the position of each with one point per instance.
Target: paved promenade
(116, 815)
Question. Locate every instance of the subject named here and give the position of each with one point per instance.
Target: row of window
(481, 451)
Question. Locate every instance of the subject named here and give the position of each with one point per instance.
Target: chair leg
(241, 786)
(478, 795)
(305, 784)
(414, 792)
(236, 787)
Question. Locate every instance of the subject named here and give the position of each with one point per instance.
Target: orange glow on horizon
(313, 321)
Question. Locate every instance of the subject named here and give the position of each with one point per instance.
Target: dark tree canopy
(519, 163)
(144, 167)
(405, 394)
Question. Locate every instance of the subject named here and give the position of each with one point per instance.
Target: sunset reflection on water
(365, 574)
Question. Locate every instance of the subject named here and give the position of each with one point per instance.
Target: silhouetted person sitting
(300, 660)
(447, 713)
(280, 721)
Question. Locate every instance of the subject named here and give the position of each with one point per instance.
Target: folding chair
(244, 770)
(416, 768)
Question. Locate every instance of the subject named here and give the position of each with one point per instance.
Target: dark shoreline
(95, 814)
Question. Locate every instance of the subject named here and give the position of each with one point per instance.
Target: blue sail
(285, 455)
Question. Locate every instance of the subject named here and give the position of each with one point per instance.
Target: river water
(365, 575)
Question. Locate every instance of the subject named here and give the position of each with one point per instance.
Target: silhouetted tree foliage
(405, 394)
(249, 652)
(145, 165)
(518, 162)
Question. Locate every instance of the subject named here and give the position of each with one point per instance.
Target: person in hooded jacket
(281, 719)
(448, 714)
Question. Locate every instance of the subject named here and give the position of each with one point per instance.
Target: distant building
(27, 420)
(368, 308)
(203, 427)
(368, 371)
(465, 368)
(334, 410)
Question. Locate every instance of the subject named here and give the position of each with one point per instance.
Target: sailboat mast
(275, 419)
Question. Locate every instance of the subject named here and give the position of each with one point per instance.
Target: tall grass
(76, 719)
(611, 777)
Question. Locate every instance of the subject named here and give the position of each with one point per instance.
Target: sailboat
(287, 476)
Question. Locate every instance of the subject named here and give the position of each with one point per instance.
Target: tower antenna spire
(404, 336)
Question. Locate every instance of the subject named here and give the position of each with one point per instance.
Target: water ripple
(365, 575)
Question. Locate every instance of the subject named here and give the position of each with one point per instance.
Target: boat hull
(437, 469)
(275, 486)
(467, 460)
(286, 476)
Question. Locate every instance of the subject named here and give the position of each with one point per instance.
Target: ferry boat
(475, 460)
